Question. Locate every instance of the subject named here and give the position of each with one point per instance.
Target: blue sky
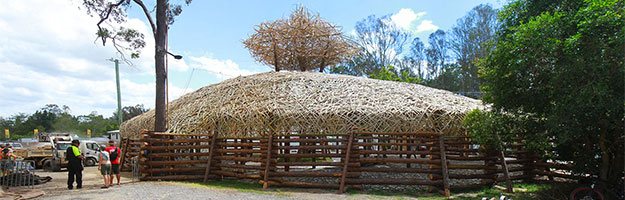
(48, 54)
(216, 29)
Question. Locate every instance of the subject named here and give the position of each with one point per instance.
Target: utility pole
(120, 116)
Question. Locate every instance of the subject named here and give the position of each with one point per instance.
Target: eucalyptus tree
(381, 43)
(470, 40)
(111, 28)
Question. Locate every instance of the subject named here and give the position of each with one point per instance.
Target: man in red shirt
(114, 154)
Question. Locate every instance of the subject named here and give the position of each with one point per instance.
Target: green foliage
(128, 112)
(560, 64)
(124, 38)
(484, 127)
(52, 118)
(450, 78)
(389, 73)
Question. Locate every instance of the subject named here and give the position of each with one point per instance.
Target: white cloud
(48, 56)
(221, 68)
(135, 93)
(426, 25)
(82, 96)
(405, 17)
(178, 65)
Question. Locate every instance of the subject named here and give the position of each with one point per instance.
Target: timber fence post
(287, 150)
(268, 163)
(529, 167)
(210, 157)
(444, 170)
(504, 166)
(125, 149)
(148, 153)
(346, 162)
(488, 167)
(431, 165)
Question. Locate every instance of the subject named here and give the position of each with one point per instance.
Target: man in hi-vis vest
(74, 167)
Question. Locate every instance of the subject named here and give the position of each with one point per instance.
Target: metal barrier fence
(136, 172)
(14, 173)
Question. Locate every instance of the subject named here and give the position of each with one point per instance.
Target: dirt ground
(92, 181)
(58, 185)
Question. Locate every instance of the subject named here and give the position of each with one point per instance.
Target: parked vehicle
(14, 145)
(88, 149)
(42, 152)
(49, 152)
(114, 135)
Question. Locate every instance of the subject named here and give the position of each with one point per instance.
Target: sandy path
(92, 180)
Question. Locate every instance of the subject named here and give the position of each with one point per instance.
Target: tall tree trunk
(160, 122)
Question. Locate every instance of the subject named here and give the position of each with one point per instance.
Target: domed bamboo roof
(311, 103)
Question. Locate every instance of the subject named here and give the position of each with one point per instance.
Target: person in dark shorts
(74, 168)
(114, 153)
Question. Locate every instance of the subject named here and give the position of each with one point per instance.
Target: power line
(188, 82)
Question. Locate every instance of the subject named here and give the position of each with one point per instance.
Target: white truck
(49, 153)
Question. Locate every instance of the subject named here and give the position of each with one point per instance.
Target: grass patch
(241, 186)
(400, 195)
(523, 191)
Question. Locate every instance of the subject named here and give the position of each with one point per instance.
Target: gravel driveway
(187, 191)
(56, 189)
(160, 190)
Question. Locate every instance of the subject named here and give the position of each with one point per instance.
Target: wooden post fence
(125, 149)
(268, 163)
(504, 165)
(445, 171)
(191, 157)
(346, 162)
(210, 156)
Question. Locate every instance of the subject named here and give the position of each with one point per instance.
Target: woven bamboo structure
(281, 103)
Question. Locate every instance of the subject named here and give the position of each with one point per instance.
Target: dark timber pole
(126, 148)
(445, 171)
(504, 166)
(268, 163)
(160, 125)
(346, 160)
(210, 157)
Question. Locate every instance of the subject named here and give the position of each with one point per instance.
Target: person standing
(74, 168)
(114, 153)
(6, 165)
(105, 166)
(10, 148)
